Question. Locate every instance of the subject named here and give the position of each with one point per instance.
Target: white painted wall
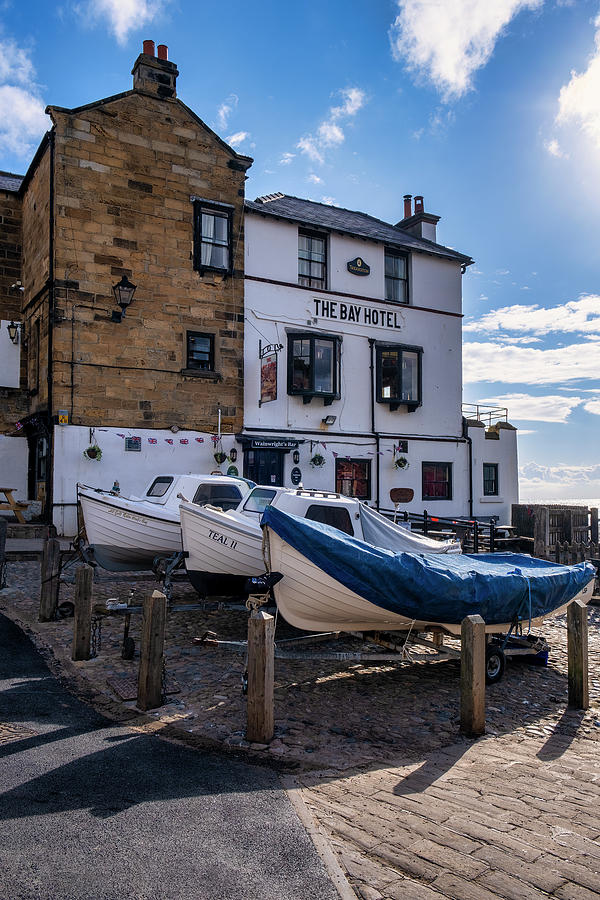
(10, 357)
(13, 465)
(132, 469)
(503, 452)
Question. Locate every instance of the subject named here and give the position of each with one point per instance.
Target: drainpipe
(51, 299)
(469, 441)
(375, 433)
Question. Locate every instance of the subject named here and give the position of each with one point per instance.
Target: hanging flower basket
(220, 457)
(93, 452)
(401, 462)
(317, 461)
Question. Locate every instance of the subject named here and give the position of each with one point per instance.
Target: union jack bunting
(183, 441)
(152, 441)
(120, 435)
(169, 440)
(199, 440)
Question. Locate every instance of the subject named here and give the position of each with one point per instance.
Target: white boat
(224, 547)
(127, 533)
(409, 591)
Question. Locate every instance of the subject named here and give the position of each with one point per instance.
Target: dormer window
(312, 259)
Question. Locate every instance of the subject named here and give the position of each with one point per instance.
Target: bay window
(313, 366)
(398, 374)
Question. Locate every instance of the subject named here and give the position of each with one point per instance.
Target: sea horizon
(561, 501)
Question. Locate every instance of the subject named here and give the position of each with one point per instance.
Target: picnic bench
(12, 505)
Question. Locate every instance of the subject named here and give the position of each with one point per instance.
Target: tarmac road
(90, 809)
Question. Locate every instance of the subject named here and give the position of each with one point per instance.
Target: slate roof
(347, 221)
(10, 182)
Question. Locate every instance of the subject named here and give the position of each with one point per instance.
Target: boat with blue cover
(334, 582)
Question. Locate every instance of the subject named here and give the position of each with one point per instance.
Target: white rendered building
(353, 368)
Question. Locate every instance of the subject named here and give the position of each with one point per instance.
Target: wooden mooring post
(49, 580)
(82, 621)
(261, 670)
(577, 652)
(152, 649)
(472, 676)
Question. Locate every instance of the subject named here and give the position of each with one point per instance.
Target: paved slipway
(94, 809)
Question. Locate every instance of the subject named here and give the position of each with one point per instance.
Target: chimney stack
(155, 74)
(419, 223)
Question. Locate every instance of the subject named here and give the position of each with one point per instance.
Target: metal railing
(489, 415)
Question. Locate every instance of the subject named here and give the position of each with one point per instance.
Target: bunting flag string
(183, 441)
(199, 440)
(169, 440)
(152, 441)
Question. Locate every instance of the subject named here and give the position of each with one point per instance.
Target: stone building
(131, 190)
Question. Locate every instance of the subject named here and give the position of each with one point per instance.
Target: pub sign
(358, 266)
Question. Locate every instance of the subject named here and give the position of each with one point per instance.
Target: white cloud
(497, 362)
(286, 159)
(554, 149)
(314, 179)
(529, 408)
(330, 132)
(448, 42)
(22, 117)
(234, 140)
(538, 482)
(578, 100)
(122, 16)
(593, 407)
(225, 109)
(329, 201)
(580, 316)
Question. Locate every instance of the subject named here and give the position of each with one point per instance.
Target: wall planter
(401, 462)
(93, 452)
(317, 461)
(220, 457)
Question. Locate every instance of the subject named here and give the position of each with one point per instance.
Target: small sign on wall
(63, 417)
(358, 266)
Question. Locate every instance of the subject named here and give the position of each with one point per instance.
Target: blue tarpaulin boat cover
(500, 587)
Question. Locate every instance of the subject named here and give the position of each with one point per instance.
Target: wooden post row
(50, 580)
(577, 652)
(261, 670)
(472, 676)
(82, 622)
(152, 647)
(541, 531)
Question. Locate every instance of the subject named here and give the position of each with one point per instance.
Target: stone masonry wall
(36, 270)
(125, 171)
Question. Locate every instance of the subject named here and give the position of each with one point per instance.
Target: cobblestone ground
(412, 809)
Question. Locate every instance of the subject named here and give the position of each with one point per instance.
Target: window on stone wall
(212, 237)
(200, 351)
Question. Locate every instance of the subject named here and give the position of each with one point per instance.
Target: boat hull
(124, 539)
(221, 554)
(310, 599)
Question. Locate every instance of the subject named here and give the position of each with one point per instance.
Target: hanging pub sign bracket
(268, 348)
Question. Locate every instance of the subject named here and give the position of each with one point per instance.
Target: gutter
(469, 441)
(375, 433)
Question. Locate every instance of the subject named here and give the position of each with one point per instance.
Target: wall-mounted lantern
(13, 331)
(123, 291)
(329, 420)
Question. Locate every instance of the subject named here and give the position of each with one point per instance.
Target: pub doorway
(264, 466)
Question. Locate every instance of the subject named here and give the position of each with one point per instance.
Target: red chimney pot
(163, 51)
(148, 48)
(418, 204)
(407, 206)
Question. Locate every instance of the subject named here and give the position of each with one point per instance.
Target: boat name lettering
(124, 514)
(360, 315)
(222, 539)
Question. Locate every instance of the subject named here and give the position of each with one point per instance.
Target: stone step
(26, 532)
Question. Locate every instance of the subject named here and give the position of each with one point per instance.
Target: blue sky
(489, 108)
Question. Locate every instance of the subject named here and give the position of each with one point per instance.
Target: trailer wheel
(494, 664)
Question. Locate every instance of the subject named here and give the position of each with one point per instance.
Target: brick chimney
(420, 223)
(155, 74)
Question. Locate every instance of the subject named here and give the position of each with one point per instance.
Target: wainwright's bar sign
(360, 315)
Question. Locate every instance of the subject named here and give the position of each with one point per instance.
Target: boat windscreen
(226, 496)
(160, 486)
(336, 516)
(258, 499)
